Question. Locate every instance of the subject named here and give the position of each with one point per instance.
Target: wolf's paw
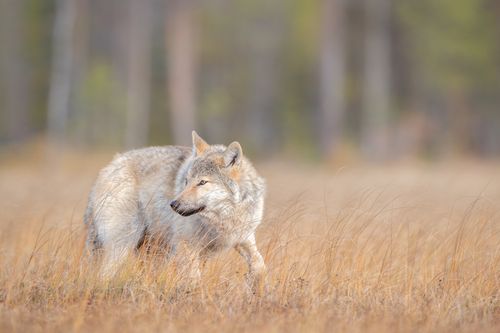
(256, 283)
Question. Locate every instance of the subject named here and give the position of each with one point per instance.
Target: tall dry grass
(396, 248)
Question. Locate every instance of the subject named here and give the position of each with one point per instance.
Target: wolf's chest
(215, 236)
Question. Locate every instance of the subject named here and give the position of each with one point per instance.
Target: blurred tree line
(314, 78)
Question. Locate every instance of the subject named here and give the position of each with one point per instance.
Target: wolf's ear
(199, 145)
(233, 154)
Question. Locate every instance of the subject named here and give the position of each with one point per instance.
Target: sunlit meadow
(405, 247)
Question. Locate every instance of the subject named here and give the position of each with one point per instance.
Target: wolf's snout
(183, 210)
(175, 204)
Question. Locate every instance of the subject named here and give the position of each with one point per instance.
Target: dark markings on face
(188, 212)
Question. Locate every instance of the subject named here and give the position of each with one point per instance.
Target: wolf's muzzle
(184, 212)
(175, 204)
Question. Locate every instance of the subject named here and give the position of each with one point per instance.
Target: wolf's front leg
(188, 260)
(112, 261)
(256, 266)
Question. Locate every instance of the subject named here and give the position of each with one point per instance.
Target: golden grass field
(407, 247)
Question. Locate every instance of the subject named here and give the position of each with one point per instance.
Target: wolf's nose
(174, 204)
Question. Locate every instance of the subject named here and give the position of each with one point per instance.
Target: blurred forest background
(316, 79)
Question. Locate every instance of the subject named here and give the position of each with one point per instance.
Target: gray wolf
(209, 197)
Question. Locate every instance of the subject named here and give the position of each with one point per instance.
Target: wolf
(209, 197)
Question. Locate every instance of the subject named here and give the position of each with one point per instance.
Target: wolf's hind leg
(119, 244)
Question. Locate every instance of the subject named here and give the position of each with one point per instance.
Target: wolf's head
(210, 182)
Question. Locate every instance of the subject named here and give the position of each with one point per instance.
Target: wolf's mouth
(188, 212)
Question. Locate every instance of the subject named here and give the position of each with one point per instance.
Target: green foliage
(37, 20)
(453, 41)
(224, 60)
(453, 59)
(303, 32)
(100, 118)
(300, 62)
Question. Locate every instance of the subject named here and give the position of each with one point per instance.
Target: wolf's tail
(87, 217)
(92, 242)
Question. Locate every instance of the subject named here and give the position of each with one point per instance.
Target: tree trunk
(81, 68)
(264, 37)
(376, 93)
(62, 65)
(332, 76)
(139, 73)
(14, 80)
(181, 36)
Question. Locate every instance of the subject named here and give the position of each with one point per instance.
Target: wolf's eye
(202, 182)
(185, 181)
